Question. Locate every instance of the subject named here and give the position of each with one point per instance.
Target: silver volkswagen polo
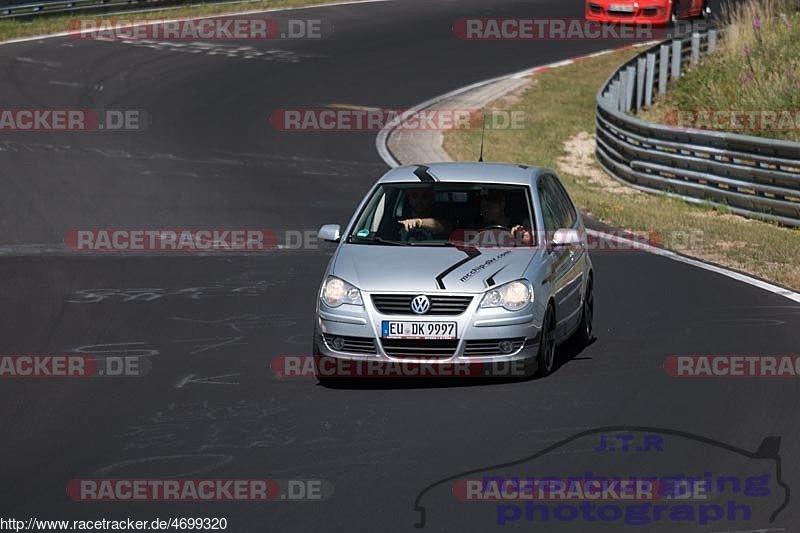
(457, 263)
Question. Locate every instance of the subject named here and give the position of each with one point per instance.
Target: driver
(422, 213)
(493, 213)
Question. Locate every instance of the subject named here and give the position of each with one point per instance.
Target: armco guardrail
(751, 176)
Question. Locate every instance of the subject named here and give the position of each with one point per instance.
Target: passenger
(493, 214)
(424, 217)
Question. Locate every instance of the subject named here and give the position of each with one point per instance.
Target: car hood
(430, 268)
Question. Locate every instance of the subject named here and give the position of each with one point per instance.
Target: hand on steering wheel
(522, 234)
(410, 224)
(496, 226)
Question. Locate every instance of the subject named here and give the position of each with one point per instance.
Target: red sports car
(645, 11)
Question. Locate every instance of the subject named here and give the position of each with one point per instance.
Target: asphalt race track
(209, 325)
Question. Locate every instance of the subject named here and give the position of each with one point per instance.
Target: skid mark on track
(48, 65)
(182, 465)
(212, 343)
(324, 166)
(118, 349)
(753, 316)
(97, 87)
(197, 426)
(217, 289)
(298, 339)
(224, 379)
(737, 322)
(243, 322)
(219, 50)
(170, 173)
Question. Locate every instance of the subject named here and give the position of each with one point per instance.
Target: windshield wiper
(430, 243)
(376, 240)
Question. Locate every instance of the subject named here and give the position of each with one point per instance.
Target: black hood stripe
(490, 279)
(422, 173)
(472, 253)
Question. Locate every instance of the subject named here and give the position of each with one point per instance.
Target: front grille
(620, 13)
(650, 11)
(400, 304)
(419, 348)
(363, 345)
(490, 347)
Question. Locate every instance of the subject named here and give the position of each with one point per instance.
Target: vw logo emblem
(420, 304)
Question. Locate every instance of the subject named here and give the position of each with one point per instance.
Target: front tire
(546, 359)
(584, 334)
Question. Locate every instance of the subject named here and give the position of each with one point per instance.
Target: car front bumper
(476, 331)
(648, 15)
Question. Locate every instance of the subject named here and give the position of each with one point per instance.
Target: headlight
(336, 292)
(511, 296)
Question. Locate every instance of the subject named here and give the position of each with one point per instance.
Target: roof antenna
(483, 134)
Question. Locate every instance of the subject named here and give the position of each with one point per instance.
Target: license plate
(391, 329)
(621, 7)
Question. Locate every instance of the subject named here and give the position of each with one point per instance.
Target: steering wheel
(416, 234)
(496, 226)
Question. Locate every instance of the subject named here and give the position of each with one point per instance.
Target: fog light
(506, 347)
(338, 343)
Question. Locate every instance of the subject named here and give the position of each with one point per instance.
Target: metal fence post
(629, 83)
(648, 85)
(676, 59)
(640, 66)
(614, 96)
(623, 90)
(662, 69)
(712, 40)
(695, 48)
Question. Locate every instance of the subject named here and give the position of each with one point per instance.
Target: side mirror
(565, 238)
(329, 232)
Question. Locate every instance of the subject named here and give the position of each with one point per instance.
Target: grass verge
(559, 107)
(755, 68)
(48, 24)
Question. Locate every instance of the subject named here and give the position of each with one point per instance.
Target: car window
(441, 213)
(549, 203)
(556, 204)
(567, 209)
(378, 215)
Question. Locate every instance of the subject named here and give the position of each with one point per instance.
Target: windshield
(437, 214)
